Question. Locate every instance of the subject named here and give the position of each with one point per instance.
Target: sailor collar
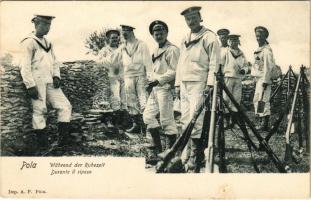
(160, 51)
(45, 46)
(134, 49)
(234, 54)
(197, 38)
(261, 48)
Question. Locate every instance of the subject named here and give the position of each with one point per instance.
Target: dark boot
(265, 126)
(260, 123)
(64, 134)
(142, 125)
(155, 147)
(170, 140)
(109, 120)
(234, 118)
(42, 139)
(125, 116)
(227, 119)
(194, 148)
(117, 119)
(135, 127)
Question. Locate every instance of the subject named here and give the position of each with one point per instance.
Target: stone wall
(79, 83)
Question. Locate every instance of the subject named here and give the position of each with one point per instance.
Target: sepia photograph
(190, 87)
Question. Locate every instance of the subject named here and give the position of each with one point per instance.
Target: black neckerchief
(157, 57)
(40, 44)
(193, 42)
(235, 56)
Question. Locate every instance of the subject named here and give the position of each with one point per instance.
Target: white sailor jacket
(264, 62)
(223, 51)
(164, 63)
(38, 62)
(233, 63)
(108, 58)
(199, 58)
(136, 58)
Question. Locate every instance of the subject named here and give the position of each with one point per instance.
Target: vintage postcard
(155, 99)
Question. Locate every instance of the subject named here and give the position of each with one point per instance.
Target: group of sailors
(141, 83)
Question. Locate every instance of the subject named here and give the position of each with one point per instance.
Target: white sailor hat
(45, 18)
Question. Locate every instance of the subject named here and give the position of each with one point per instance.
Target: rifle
(209, 151)
(289, 149)
(179, 145)
(261, 140)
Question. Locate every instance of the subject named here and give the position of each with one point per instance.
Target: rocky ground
(111, 142)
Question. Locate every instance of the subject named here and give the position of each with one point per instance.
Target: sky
(287, 21)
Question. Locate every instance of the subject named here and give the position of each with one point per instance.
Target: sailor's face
(223, 39)
(260, 37)
(234, 43)
(193, 20)
(160, 36)
(126, 34)
(114, 40)
(43, 27)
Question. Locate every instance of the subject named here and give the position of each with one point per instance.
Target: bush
(96, 41)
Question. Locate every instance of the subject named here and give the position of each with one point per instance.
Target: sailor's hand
(33, 93)
(264, 85)
(177, 92)
(207, 89)
(56, 82)
(242, 71)
(151, 85)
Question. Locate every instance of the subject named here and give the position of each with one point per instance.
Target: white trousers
(160, 101)
(118, 97)
(234, 85)
(56, 97)
(135, 94)
(191, 94)
(266, 97)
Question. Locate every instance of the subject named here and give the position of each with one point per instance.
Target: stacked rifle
(297, 110)
(213, 127)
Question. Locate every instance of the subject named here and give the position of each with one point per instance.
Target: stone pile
(15, 107)
(80, 82)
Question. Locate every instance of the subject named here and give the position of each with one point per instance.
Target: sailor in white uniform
(234, 68)
(261, 70)
(198, 61)
(136, 60)
(160, 101)
(41, 76)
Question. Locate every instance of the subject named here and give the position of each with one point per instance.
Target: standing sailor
(199, 59)
(235, 66)
(165, 58)
(137, 65)
(108, 59)
(41, 76)
(223, 38)
(264, 62)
